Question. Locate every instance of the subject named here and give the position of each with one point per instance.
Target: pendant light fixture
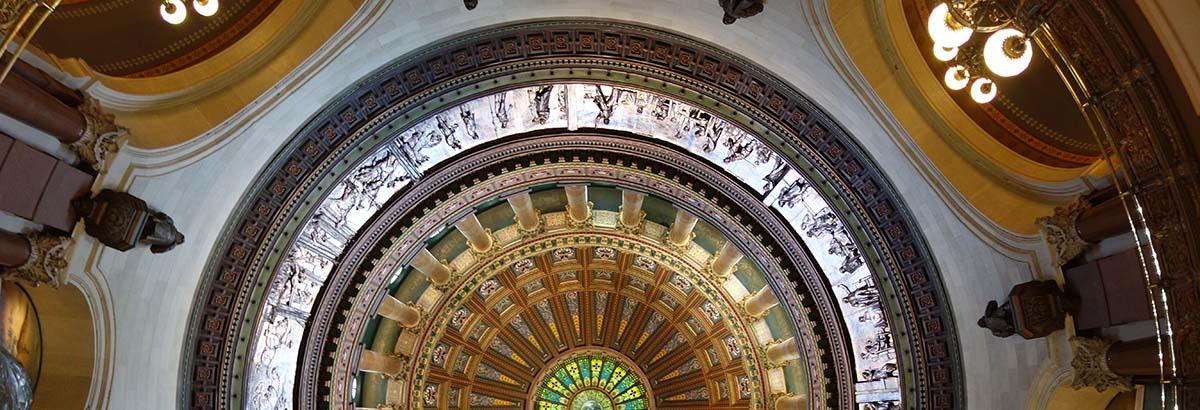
(1010, 26)
(175, 11)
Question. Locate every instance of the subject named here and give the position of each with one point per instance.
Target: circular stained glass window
(592, 382)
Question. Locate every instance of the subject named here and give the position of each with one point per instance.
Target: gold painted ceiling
(127, 38)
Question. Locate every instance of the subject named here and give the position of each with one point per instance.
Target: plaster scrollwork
(1060, 233)
(585, 223)
(537, 230)
(47, 263)
(1090, 363)
(633, 229)
(102, 138)
(680, 248)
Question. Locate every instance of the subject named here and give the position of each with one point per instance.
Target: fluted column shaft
(784, 351)
(726, 260)
(631, 208)
(428, 264)
(476, 236)
(761, 301)
(405, 315)
(681, 230)
(25, 102)
(792, 402)
(14, 250)
(376, 362)
(522, 205)
(577, 202)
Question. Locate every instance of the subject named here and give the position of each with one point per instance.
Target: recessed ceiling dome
(446, 236)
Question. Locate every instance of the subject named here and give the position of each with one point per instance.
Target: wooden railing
(19, 21)
(1124, 99)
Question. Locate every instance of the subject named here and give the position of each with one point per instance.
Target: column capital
(1090, 364)
(1059, 230)
(47, 263)
(101, 138)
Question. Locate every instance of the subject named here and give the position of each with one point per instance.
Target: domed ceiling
(486, 224)
(127, 38)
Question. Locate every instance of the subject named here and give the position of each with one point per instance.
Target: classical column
(35, 258)
(39, 78)
(1135, 358)
(428, 264)
(631, 210)
(681, 231)
(1103, 221)
(25, 102)
(1076, 225)
(579, 210)
(402, 313)
(14, 250)
(1089, 360)
(479, 239)
(375, 362)
(758, 303)
(791, 402)
(527, 218)
(784, 352)
(725, 260)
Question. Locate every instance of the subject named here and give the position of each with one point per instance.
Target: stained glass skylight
(592, 382)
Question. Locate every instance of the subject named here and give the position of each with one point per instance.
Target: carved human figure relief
(539, 103)
(446, 128)
(605, 103)
(500, 109)
(468, 120)
(792, 193)
(864, 295)
(740, 145)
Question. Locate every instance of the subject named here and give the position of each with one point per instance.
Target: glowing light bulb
(943, 53)
(983, 90)
(206, 8)
(957, 78)
(1007, 52)
(944, 30)
(173, 11)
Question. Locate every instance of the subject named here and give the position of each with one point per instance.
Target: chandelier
(1006, 52)
(174, 11)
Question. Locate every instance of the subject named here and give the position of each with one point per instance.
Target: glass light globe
(983, 90)
(943, 53)
(944, 30)
(957, 78)
(1007, 52)
(173, 11)
(205, 8)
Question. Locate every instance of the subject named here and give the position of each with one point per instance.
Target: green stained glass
(592, 382)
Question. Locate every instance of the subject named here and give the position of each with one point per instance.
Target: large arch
(789, 121)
